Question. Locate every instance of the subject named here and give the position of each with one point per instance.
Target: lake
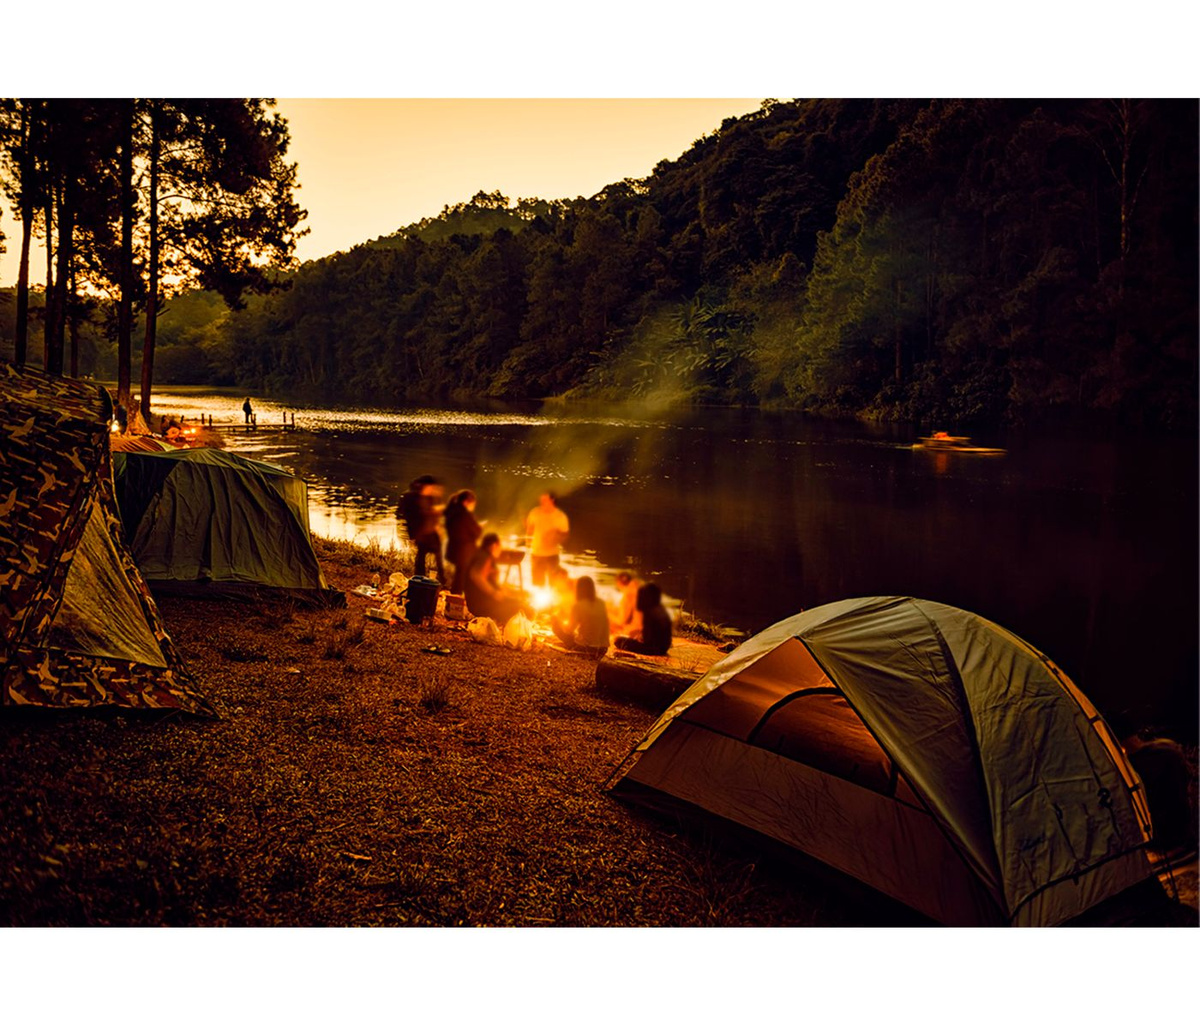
(1086, 548)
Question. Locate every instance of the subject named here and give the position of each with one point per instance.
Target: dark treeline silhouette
(953, 261)
(966, 261)
(129, 195)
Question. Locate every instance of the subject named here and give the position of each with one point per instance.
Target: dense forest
(962, 261)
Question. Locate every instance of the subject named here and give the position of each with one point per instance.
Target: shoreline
(356, 779)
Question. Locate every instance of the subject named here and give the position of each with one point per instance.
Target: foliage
(955, 262)
(949, 262)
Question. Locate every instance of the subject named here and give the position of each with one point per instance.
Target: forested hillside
(952, 261)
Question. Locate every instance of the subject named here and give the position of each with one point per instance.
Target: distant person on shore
(626, 619)
(247, 410)
(462, 536)
(486, 598)
(420, 511)
(587, 627)
(547, 526)
(655, 636)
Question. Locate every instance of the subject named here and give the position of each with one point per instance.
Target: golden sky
(368, 167)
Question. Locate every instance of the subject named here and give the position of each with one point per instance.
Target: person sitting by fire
(462, 536)
(625, 619)
(587, 627)
(655, 637)
(486, 598)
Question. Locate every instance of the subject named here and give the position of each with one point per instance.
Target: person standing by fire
(420, 510)
(462, 536)
(547, 526)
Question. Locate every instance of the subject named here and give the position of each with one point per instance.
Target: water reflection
(1086, 549)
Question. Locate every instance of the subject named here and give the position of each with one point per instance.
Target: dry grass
(393, 787)
(343, 635)
(370, 556)
(435, 696)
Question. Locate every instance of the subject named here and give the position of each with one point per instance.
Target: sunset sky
(368, 167)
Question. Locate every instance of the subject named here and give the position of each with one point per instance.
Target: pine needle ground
(357, 780)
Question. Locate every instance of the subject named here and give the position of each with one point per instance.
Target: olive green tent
(916, 747)
(204, 522)
(77, 625)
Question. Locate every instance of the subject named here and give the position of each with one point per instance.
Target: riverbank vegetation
(963, 262)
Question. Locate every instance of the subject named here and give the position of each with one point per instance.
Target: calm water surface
(1086, 548)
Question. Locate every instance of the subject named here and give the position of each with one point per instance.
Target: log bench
(646, 682)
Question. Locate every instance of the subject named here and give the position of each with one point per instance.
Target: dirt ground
(357, 780)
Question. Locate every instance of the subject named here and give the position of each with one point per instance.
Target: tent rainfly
(919, 748)
(78, 626)
(205, 522)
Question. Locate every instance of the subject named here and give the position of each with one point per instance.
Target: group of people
(639, 623)
(475, 555)
(580, 619)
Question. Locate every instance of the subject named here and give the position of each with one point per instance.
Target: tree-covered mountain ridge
(959, 262)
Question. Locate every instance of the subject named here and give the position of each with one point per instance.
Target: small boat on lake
(943, 443)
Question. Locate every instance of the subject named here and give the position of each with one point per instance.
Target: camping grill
(512, 559)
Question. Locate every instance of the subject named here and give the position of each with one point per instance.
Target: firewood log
(649, 684)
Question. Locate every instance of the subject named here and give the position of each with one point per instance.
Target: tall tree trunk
(21, 344)
(48, 317)
(152, 290)
(73, 321)
(28, 174)
(66, 232)
(125, 301)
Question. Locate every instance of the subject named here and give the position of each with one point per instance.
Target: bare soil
(355, 779)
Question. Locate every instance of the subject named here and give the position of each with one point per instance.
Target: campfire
(541, 599)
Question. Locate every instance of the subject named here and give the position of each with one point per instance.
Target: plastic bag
(518, 632)
(484, 630)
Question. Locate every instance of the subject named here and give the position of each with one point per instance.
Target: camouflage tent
(77, 624)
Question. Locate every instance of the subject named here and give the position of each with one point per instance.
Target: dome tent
(202, 521)
(916, 747)
(78, 626)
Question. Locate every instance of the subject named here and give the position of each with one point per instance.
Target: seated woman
(625, 619)
(656, 624)
(486, 598)
(587, 627)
